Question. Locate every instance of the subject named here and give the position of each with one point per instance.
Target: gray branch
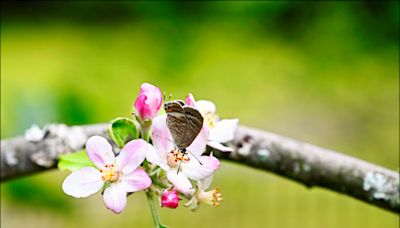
(305, 163)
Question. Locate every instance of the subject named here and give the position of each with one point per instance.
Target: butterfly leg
(185, 152)
(179, 167)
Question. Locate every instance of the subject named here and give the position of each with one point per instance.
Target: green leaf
(74, 161)
(121, 129)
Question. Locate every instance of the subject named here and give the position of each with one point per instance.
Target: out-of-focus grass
(329, 77)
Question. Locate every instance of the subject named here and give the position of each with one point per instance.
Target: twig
(299, 161)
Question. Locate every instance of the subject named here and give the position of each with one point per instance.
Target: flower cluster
(151, 161)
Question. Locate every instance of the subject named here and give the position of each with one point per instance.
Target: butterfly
(184, 123)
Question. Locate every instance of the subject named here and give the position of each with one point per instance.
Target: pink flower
(168, 158)
(119, 175)
(148, 102)
(219, 131)
(170, 199)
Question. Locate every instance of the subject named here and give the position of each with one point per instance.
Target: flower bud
(170, 199)
(148, 102)
(190, 100)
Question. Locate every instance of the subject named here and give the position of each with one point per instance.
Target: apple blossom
(168, 172)
(170, 198)
(119, 175)
(213, 197)
(148, 102)
(219, 131)
(170, 160)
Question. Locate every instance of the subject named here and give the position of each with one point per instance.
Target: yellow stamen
(110, 173)
(210, 119)
(175, 156)
(213, 197)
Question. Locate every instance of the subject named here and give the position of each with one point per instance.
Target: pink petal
(132, 155)
(198, 146)
(170, 199)
(223, 131)
(100, 151)
(205, 107)
(83, 183)
(114, 198)
(219, 146)
(180, 181)
(196, 171)
(142, 109)
(149, 101)
(162, 138)
(136, 181)
(190, 101)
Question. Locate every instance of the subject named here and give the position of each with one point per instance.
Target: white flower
(219, 131)
(119, 175)
(213, 197)
(169, 158)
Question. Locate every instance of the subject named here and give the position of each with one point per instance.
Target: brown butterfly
(184, 123)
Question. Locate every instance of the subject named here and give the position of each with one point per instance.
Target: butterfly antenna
(195, 157)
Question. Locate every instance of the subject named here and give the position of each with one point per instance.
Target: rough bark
(302, 162)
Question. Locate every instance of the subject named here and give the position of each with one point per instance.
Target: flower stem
(146, 125)
(153, 208)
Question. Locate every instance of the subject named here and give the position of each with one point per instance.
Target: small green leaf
(121, 129)
(74, 161)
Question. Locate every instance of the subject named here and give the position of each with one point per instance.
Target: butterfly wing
(176, 121)
(184, 123)
(195, 124)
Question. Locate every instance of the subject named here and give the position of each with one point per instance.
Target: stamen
(176, 156)
(110, 173)
(213, 197)
(210, 119)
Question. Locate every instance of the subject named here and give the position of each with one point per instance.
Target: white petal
(205, 107)
(180, 181)
(100, 151)
(132, 155)
(82, 183)
(136, 181)
(198, 146)
(162, 138)
(223, 131)
(219, 146)
(154, 157)
(206, 182)
(115, 198)
(196, 171)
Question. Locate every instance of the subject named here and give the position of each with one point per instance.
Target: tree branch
(307, 164)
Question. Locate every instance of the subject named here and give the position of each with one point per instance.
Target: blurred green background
(323, 72)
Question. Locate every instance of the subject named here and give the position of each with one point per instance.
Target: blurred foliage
(323, 72)
(38, 193)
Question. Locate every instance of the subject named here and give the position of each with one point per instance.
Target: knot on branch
(54, 140)
(381, 188)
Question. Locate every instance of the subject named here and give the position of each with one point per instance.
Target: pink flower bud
(190, 100)
(148, 102)
(170, 199)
